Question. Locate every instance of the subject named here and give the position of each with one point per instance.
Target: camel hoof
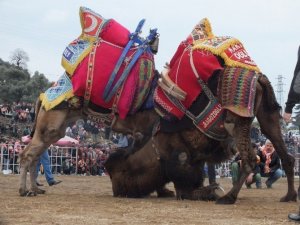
(40, 191)
(165, 194)
(289, 198)
(226, 200)
(179, 195)
(31, 193)
(219, 192)
(23, 192)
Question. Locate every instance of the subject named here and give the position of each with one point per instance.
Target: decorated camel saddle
(106, 65)
(197, 58)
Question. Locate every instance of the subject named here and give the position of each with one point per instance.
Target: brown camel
(191, 148)
(49, 127)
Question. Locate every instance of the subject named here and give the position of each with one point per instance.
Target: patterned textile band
(237, 89)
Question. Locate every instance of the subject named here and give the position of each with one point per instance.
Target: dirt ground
(88, 200)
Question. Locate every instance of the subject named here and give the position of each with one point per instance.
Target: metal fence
(63, 160)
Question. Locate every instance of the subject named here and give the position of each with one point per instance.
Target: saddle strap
(209, 121)
(204, 87)
(141, 49)
(133, 39)
(170, 87)
(90, 73)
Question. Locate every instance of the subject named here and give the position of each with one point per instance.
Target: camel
(50, 126)
(193, 142)
(105, 54)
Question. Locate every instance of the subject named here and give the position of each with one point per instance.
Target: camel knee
(28, 157)
(52, 134)
(288, 164)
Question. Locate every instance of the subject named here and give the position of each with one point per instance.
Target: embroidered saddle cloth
(90, 59)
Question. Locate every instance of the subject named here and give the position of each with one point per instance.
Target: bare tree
(20, 58)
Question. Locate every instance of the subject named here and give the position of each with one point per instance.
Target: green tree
(37, 84)
(16, 85)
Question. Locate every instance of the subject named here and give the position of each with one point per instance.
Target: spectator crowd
(95, 142)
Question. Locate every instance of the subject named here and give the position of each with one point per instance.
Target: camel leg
(270, 127)
(50, 127)
(28, 161)
(241, 132)
(33, 175)
(23, 177)
(231, 196)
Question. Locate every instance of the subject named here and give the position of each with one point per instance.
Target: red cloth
(182, 74)
(115, 33)
(105, 61)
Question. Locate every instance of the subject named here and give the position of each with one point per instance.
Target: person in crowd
(5, 153)
(82, 166)
(270, 163)
(69, 132)
(45, 161)
(130, 140)
(211, 173)
(32, 113)
(107, 131)
(94, 132)
(26, 131)
(82, 134)
(293, 99)
(122, 141)
(67, 164)
(17, 150)
(253, 177)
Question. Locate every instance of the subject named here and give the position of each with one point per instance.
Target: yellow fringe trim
(220, 51)
(50, 105)
(207, 27)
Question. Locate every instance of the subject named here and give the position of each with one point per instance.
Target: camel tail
(269, 100)
(38, 105)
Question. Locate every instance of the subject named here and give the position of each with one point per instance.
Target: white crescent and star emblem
(93, 24)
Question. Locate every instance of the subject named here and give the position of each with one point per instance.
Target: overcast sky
(269, 30)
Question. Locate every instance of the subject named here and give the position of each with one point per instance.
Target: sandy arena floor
(88, 200)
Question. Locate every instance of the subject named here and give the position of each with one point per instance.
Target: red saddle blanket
(198, 56)
(106, 57)
(91, 58)
(182, 74)
(202, 49)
